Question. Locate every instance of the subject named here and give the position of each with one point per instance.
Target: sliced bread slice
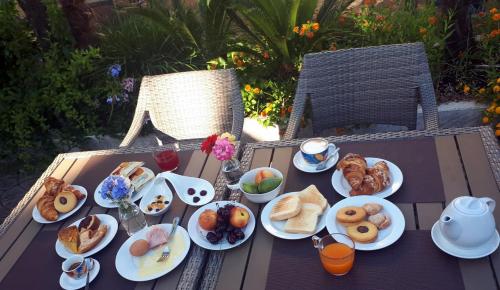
(311, 194)
(305, 222)
(285, 208)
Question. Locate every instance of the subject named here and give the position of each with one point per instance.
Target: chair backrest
(193, 105)
(364, 85)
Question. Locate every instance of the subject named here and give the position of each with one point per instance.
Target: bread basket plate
(146, 268)
(40, 219)
(341, 185)
(110, 234)
(385, 238)
(199, 236)
(277, 228)
(106, 203)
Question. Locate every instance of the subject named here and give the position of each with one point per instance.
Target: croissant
(353, 168)
(375, 180)
(45, 206)
(75, 191)
(53, 185)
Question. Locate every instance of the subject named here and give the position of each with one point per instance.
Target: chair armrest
(429, 106)
(299, 104)
(238, 113)
(134, 130)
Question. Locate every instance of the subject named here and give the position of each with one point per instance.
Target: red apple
(263, 174)
(239, 217)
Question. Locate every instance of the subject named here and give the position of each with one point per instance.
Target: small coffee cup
(315, 150)
(75, 267)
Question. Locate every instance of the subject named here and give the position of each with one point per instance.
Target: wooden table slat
(428, 214)
(409, 214)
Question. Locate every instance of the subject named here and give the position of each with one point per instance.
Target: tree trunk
(81, 21)
(36, 13)
(461, 38)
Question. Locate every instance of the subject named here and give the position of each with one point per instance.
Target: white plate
(39, 218)
(135, 197)
(198, 236)
(110, 234)
(69, 283)
(386, 237)
(467, 253)
(129, 267)
(157, 187)
(302, 165)
(276, 228)
(183, 183)
(341, 185)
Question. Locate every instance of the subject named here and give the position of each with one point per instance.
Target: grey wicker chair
(189, 105)
(368, 85)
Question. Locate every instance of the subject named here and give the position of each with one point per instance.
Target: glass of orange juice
(336, 252)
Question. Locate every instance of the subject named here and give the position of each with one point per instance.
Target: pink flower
(223, 149)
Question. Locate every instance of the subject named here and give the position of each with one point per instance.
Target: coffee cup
(315, 150)
(75, 267)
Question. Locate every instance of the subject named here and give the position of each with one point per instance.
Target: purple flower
(128, 84)
(109, 100)
(115, 70)
(223, 149)
(114, 187)
(117, 98)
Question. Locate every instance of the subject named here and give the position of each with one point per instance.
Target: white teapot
(468, 221)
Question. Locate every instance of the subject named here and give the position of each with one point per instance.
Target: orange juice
(337, 258)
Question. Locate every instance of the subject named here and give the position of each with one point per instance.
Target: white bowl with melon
(261, 184)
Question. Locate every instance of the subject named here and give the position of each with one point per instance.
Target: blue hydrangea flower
(115, 70)
(114, 187)
(109, 100)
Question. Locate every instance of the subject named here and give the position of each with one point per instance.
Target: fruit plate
(386, 237)
(135, 196)
(198, 235)
(40, 219)
(110, 234)
(341, 185)
(146, 268)
(277, 228)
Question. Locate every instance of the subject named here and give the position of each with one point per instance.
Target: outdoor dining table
(437, 165)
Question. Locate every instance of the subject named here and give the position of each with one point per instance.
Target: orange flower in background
(369, 2)
(486, 120)
(496, 89)
(379, 18)
(265, 55)
(482, 90)
(497, 133)
(309, 34)
(365, 23)
(296, 29)
(491, 108)
(498, 125)
(422, 30)
(248, 88)
(302, 30)
(256, 91)
(466, 89)
(498, 81)
(432, 20)
(263, 114)
(239, 63)
(496, 17)
(315, 26)
(289, 109)
(481, 14)
(497, 110)
(493, 10)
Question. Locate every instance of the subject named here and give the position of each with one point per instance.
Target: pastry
(312, 195)
(285, 208)
(353, 168)
(364, 232)
(45, 206)
(53, 185)
(69, 237)
(305, 222)
(91, 222)
(375, 180)
(380, 220)
(65, 201)
(350, 215)
(90, 238)
(372, 208)
(75, 191)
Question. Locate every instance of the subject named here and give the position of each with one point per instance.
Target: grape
(212, 238)
(229, 228)
(219, 235)
(231, 239)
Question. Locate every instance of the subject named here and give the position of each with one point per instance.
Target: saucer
(466, 253)
(302, 165)
(71, 284)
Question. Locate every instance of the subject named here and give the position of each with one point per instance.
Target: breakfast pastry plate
(40, 219)
(341, 185)
(385, 237)
(276, 228)
(146, 267)
(105, 219)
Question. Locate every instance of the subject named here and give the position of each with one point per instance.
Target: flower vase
(232, 172)
(131, 216)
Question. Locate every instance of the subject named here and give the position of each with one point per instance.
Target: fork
(166, 250)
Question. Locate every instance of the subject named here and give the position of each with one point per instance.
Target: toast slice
(311, 194)
(90, 238)
(285, 208)
(305, 222)
(69, 237)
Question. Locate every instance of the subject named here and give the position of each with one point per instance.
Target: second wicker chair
(378, 84)
(189, 105)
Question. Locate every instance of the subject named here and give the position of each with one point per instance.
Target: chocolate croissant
(353, 168)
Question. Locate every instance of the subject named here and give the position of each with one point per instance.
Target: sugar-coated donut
(363, 232)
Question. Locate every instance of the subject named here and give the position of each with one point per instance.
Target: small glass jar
(232, 172)
(131, 216)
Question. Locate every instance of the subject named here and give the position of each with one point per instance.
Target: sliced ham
(156, 236)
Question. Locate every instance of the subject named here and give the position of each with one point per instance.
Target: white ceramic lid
(470, 205)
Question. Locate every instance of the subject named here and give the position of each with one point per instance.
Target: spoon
(323, 164)
(88, 273)
(191, 190)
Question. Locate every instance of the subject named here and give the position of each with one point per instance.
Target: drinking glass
(167, 159)
(336, 252)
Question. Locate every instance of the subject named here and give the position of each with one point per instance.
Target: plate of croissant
(86, 236)
(59, 201)
(357, 175)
